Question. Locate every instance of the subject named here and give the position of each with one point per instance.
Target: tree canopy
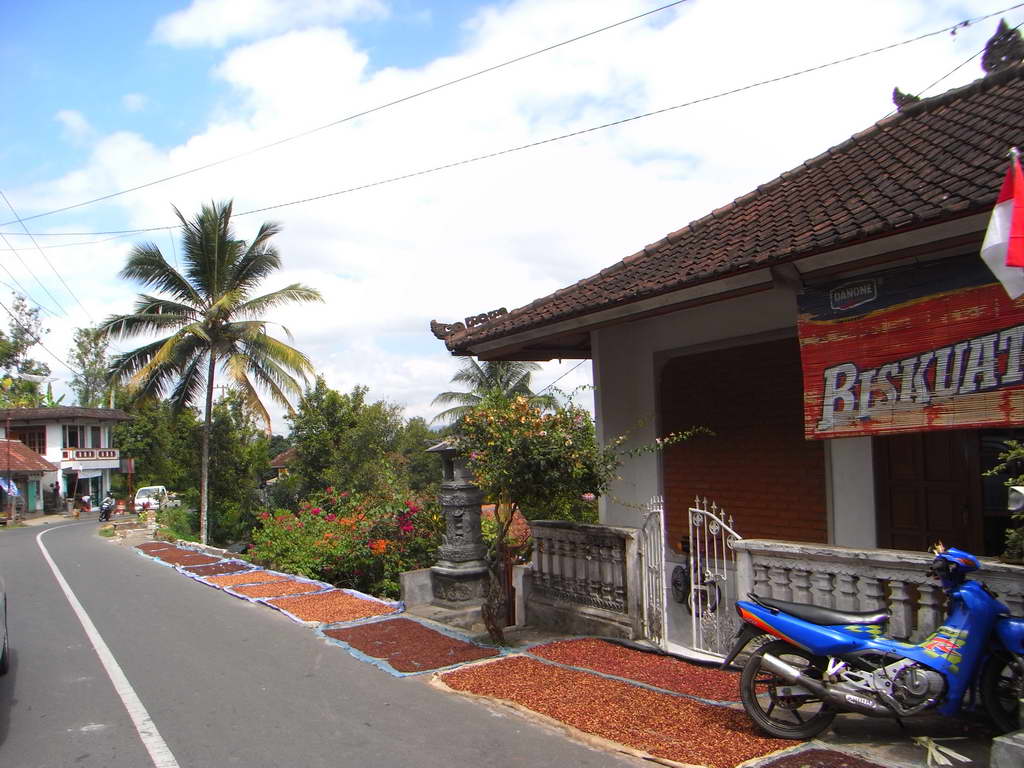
(208, 319)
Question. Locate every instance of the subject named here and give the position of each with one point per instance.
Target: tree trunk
(204, 470)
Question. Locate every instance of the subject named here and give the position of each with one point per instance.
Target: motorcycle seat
(815, 614)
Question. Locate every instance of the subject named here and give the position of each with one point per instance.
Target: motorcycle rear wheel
(779, 708)
(1002, 686)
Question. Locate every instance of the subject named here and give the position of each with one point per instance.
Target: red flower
(330, 517)
(344, 494)
(330, 489)
(315, 511)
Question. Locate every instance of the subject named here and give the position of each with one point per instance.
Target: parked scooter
(825, 661)
(106, 508)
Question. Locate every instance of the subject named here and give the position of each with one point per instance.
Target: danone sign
(936, 346)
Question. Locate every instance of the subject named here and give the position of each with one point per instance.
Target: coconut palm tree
(505, 377)
(212, 323)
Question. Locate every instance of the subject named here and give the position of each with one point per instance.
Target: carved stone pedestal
(456, 587)
(459, 578)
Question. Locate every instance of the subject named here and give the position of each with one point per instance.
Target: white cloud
(134, 102)
(218, 22)
(76, 129)
(505, 231)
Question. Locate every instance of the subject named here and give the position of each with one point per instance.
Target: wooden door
(928, 489)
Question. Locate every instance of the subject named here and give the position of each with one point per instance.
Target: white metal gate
(652, 559)
(712, 578)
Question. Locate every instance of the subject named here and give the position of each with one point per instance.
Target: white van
(153, 495)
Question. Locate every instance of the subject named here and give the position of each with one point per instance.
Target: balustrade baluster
(801, 581)
(872, 596)
(846, 592)
(541, 560)
(901, 610)
(619, 573)
(761, 586)
(929, 612)
(570, 581)
(605, 570)
(821, 589)
(582, 553)
(779, 578)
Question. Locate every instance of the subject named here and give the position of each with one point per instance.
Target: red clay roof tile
(935, 160)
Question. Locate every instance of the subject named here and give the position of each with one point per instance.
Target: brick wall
(758, 465)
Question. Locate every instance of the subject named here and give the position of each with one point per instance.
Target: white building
(78, 441)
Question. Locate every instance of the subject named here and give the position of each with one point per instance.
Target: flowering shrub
(349, 540)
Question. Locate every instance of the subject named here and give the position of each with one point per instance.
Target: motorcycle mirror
(1015, 499)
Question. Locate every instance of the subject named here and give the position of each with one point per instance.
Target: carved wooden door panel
(928, 489)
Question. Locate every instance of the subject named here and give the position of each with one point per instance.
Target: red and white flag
(1003, 248)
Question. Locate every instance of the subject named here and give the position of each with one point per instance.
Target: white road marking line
(159, 753)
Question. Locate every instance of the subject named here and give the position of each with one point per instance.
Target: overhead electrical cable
(46, 259)
(51, 247)
(960, 66)
(564, 136)
(21, 288)
(37, 340)
(38, 281)
(364, 113)
(549, 386)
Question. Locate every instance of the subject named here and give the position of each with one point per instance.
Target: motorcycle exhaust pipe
(844, 700)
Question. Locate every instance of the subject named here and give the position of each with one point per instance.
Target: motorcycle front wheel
(779, 708)
(1002, 686)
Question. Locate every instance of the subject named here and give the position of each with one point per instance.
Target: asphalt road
(226, 683)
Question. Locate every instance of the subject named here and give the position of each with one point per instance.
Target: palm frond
(147, 266)
(294, 293)
(264, 347)
(468, 399)
(259, 259)
(126, 326)
(191, 383)
(158, 305)
(209, 248)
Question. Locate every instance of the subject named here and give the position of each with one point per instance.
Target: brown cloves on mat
(659, 724)
(666, 672)
(331, 607)
(408, 646)
(277, 589)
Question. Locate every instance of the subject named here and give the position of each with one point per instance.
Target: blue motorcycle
(823, 661)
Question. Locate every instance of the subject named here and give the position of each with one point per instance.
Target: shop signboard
(933, 346)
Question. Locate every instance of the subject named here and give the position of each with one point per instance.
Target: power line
(51, 247)
(572, 134)
(36, 339)
(354, 116)
(22, 288)
(46, 259)
(961, 65)
(38, 281)
(549, 386)
(174, 247)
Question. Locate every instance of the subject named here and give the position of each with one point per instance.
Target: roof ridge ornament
(1004, 49)
(901, 99)
(444, 330)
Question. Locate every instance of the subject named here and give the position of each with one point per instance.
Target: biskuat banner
(934, 346)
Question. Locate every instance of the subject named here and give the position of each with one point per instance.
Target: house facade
(21, 479)
(77, 442)
(835, 329)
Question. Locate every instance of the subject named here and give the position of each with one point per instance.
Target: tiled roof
(934, 161)
(283, 459)
(63, 413)
(15, 456)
